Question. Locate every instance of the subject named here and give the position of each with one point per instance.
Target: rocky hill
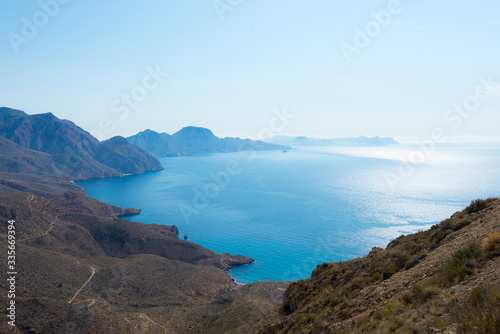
(43, 154)
(444, 280)
(91, 272)
(73, 150)
(194, 140)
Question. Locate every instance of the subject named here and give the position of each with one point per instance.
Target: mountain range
(41, 146)
(82, 268)
(66, 239)
(195, 140)
(346, 141)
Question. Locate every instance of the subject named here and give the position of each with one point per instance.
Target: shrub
(441, 236)
(491, 244)
(481, 311)
(407, 298)
(461, 224)
(461, 265)
(421, 293)
(476, 206)
(375, 277)
(331, 302)
(386, 274)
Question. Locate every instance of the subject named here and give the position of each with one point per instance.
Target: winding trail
(52, 224)
(84, 284)
(92, 302)
(142, 315)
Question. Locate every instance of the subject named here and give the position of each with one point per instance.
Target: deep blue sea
(292, 211)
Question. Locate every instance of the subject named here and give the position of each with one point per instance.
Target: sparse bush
(441, 236)
(461, 224)
(375, 277)
(422, 294)
(481, 311)
(476, 206)
(407, 298)
(460, 266)
(386, 274)
(331, 302)
(491, 244)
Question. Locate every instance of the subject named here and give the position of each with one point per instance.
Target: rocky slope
(23, 169)
(73, 150)
(80, 269)
(194, 140)
(444, 280)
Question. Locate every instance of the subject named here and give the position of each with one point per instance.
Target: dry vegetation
(445, 279)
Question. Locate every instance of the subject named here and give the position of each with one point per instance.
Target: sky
(254, 68)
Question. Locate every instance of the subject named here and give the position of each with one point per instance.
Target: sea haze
(292, 211)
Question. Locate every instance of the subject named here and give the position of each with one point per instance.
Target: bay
(292, 211)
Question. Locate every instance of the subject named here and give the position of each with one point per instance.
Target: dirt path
(142, 315)
(84, 284)
(52, 224)
(92, 302)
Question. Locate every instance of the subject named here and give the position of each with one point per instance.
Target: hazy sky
(341, 68)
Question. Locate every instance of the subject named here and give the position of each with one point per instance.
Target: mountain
(443, 280)
(119, 154)
(80, 269)
(67, 151)
(23, 169)
(195, 140)
(347, 141)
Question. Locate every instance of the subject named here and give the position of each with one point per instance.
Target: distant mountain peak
(73, 150)
(47, 116)
(11, 112)
(192, 140)
(346, 141)
(193, 131)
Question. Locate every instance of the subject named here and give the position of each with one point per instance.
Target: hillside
(73, 150)
(92, 272)
(194, 140)
(23, 169)
(444, 280)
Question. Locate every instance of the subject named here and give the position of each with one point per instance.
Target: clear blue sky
(228, 75)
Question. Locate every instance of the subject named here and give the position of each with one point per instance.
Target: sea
(291, 211)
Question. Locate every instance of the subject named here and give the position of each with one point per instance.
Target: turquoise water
(292, 211)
